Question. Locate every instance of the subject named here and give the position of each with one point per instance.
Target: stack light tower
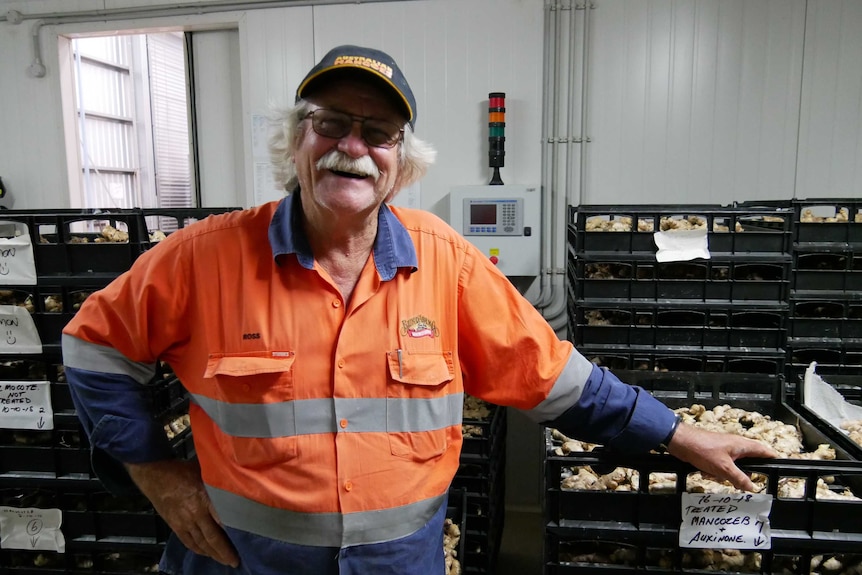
(496, 135)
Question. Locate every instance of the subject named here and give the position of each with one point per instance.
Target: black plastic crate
(730, 230)
(456, 511)
(643, 508)
(480, 476)
(485, 520)
(739, 361)
(167, 397)
(56, 304)
(51, 305)
(168, 220)
(834, 357)
(76, 242)
(609, 549)
(46, 453)
(828, 220)
(850, 388)
(84, 559)
(91, 514)
(483, 436)
(101, 516)
(674, 325)
(826, 317)
(639, 277)
(827, 268)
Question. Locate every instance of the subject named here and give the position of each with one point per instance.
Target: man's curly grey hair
(414, 155)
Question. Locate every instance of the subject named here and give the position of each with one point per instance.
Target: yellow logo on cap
(365, 63)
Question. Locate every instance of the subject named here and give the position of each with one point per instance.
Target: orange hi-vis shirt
(318, 421)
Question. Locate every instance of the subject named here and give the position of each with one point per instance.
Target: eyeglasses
(334, 124)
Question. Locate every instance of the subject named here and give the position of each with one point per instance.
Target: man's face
(346, 190)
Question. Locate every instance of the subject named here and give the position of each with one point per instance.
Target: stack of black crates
(725, 313)
(482, 476)
(826, 292)
(48, 468)
(727, 329)
(628, 532)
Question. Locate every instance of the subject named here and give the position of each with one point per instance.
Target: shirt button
(336, 303)
(340, 363)
(246, 387)
(343, 424)
(348, 485)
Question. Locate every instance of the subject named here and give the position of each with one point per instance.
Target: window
(132, 122)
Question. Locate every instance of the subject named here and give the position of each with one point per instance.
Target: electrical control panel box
(503, 222)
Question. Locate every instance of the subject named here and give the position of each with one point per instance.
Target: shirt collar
(393, 248)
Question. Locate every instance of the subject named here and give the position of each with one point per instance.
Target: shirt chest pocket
(421, 414)
(253, 406)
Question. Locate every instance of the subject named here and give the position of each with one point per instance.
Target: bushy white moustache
(340, 162)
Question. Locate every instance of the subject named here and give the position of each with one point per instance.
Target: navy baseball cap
(377, 63)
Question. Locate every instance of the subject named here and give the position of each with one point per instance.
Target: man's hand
(177, 493)
(715, 453)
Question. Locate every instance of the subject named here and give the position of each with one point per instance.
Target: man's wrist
(664, 445)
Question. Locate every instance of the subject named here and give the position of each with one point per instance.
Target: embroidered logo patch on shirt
(419, 326)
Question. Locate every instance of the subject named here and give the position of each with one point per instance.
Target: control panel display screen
(494, 217)
(483, 214)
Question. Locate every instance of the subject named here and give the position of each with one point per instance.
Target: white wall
(218, 105)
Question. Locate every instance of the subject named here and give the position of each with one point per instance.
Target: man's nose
(353, 143)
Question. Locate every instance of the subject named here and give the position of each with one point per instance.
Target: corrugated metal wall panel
(830, 151)
(681, 94)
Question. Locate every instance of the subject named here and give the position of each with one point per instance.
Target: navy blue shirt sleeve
(114, 412)
(623, 417)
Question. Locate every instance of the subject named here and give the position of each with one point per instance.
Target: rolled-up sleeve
(113, 408)
(608, 411)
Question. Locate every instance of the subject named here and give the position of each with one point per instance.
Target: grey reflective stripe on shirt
(88, 356)
(322, 529)
(567, 389)
(309, 416)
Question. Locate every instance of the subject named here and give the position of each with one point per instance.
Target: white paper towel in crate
(827, 402)
(681, 245)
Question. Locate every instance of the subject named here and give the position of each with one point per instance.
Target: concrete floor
(521, 546)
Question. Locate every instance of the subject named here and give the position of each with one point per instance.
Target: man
(327, 341)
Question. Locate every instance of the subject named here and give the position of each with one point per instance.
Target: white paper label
(681, 245)
(17, 331)
(26, 405)
(725, 521)
(17, 265)
(31, 528)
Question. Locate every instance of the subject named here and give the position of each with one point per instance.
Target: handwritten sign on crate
(17, 265)
(725, 521)
(18, 332)
(26, 405)
(31, 528)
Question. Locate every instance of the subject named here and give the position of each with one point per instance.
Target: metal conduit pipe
(553, 140)
(585, 75)
(37, 69)
(557, 315)
(585, 79)
(539, 299)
